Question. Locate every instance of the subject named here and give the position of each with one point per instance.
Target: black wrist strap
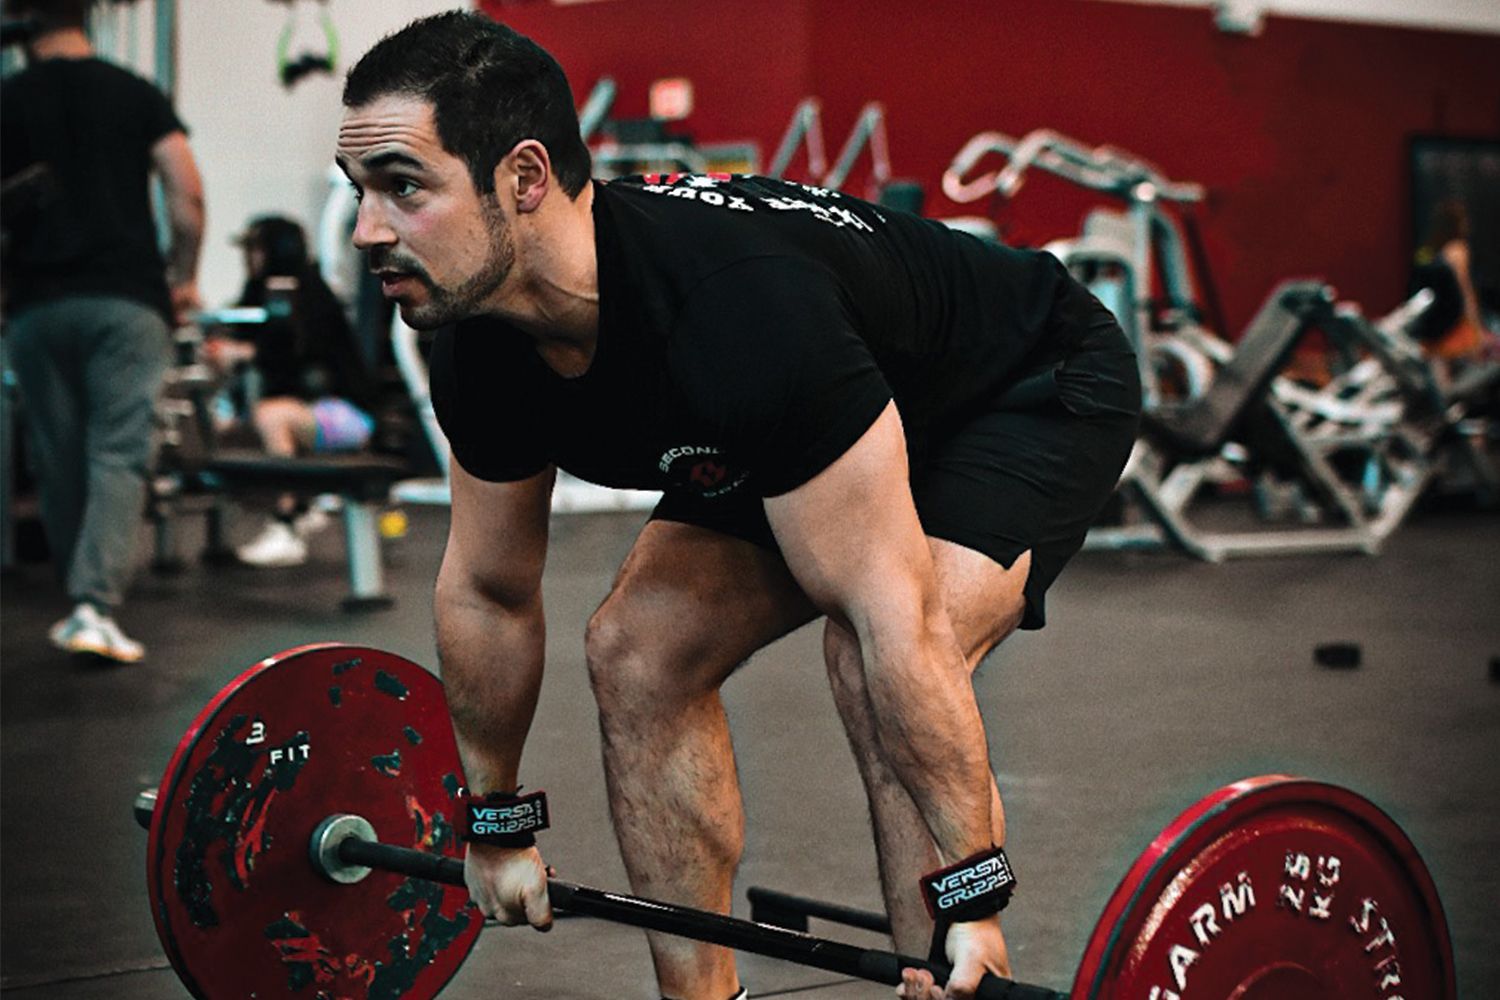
(504, 819)
(979, 886)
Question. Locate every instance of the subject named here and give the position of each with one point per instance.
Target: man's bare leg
(688, 606)
(985, 603)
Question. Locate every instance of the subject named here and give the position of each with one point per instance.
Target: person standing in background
(89, 300)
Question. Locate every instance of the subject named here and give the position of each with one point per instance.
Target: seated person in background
(1452, 332)
(309, 391)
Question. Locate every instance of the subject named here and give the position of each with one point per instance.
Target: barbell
(301, 843)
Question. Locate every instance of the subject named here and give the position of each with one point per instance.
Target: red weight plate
(1274, 888)
(238, 905)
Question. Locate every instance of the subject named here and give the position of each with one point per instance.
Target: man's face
(442, 250)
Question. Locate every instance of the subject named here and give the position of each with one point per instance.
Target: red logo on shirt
(700, 468)
(708, 474)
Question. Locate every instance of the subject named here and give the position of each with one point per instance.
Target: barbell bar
(343, 850)
(301, 837)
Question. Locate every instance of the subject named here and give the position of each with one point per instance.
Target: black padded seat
(364, 478)
(1201, 427)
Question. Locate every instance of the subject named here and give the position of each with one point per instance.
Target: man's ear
(528, 169)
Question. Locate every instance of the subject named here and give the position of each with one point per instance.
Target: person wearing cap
(309, 389)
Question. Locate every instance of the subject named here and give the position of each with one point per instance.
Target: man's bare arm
(182, 190)
(1456, 256)
(491, 635)
(852, 539)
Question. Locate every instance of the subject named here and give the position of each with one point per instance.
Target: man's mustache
(382, 259)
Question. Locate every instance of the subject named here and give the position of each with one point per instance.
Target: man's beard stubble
(449, 305)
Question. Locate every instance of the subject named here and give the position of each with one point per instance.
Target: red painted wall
(748, 61)
(1300, 134)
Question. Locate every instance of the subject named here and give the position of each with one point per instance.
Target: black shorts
(1031, 471)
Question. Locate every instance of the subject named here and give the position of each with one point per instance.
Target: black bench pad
(1200, 427)
(359, 477)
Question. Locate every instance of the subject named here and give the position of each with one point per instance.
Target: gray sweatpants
(89, 369)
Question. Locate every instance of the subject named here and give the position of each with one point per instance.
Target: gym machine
(1121, 256)
(805, 130)
(1349, 461)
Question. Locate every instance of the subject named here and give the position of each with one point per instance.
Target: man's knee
(607, 649)
(121, 449)
(985, 601)
(634, 663)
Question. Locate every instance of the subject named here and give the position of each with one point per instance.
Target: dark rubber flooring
(1159, 680)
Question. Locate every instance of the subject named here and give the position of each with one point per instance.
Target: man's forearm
(186, 242)
(932, 733)
(492, 655)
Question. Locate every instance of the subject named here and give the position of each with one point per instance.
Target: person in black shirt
(88, 300)
(312, 394)
(852, 413)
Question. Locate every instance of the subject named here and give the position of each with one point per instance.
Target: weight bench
(1366, 479)
(363, 482)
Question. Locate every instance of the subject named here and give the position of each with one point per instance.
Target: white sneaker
(63, 630)
(87, 631)
(310, 521)
(278, 544)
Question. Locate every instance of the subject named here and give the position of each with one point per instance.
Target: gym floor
(1159, 680)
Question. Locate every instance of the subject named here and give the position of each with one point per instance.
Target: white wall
(263, 148)
(1452, 15)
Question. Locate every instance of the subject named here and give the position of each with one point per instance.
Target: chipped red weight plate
(238, 905)
(1273, 888)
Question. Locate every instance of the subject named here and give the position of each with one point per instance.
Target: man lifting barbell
(852, 412)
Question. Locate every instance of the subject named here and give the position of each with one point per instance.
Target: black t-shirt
(93, 125)
(750, 331)
(1431, 271)
(306, 348)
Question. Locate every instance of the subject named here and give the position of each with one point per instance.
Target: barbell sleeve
(699, 925)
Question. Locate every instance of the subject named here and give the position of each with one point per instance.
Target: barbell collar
(145, 807)
(331, 835)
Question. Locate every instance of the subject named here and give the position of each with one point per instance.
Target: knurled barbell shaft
(777, 906)
(699, 925)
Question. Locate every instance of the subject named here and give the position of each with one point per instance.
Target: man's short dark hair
(50, 15)
(489, 86)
